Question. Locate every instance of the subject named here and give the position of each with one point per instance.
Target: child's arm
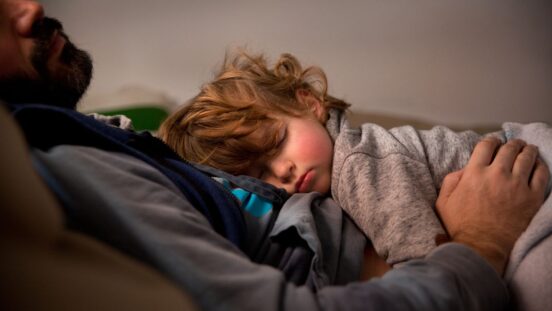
(388, 181)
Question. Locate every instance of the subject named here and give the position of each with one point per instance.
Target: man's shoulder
(74, 160)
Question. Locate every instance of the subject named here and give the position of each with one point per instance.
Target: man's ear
(305, 97)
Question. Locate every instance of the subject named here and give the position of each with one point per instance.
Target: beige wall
(455, 62)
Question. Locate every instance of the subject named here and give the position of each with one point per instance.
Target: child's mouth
(304, 182)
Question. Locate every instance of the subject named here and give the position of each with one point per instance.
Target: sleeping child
(278, 124)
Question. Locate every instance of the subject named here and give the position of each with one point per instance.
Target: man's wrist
(475, 273)
(492, 252)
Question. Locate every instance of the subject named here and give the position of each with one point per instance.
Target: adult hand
(488, 204)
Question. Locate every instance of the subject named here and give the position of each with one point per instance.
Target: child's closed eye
(257, 171)
(260, 174)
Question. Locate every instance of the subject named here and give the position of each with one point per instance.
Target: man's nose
(25, 14)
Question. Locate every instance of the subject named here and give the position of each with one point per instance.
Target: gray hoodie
(389, 180)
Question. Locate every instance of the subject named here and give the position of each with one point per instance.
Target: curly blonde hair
(234, 120)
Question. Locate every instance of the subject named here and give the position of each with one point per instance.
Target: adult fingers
(525, 162)
(507, 154)
(483, 152)
(539, 179)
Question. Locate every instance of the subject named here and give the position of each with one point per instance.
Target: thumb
(449, 184)
(447, 188)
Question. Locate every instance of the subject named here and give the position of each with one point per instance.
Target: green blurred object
(144, 118)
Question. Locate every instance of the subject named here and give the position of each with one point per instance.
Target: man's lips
(303, 184)
(56, 44)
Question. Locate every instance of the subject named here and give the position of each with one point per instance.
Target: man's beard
(62, 87)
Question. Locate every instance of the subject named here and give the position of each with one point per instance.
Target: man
(126, 200)
(39, 63)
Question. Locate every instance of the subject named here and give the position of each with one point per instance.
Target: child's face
(304, 159)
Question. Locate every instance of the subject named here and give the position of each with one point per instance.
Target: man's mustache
(44, 29)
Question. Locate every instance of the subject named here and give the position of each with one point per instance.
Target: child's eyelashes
(257, 171)
(283, 137)
(264, 171)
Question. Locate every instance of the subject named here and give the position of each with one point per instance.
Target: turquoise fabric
(250, 202)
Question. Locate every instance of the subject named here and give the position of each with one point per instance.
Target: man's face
(38, 63)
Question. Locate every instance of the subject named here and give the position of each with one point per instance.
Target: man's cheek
(14, 60)
(7, 65)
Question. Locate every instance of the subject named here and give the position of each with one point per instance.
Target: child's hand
(491, 201)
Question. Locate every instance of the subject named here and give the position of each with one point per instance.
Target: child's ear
(305, 97)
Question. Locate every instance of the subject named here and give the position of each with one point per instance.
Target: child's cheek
(315, 147)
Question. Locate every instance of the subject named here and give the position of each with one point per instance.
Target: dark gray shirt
(128, 204)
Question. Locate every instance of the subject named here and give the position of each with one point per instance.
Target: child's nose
(25, 14)
(283, 170)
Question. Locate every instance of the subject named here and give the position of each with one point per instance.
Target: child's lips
(303, 184)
